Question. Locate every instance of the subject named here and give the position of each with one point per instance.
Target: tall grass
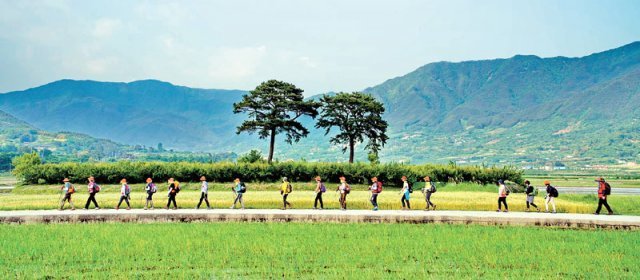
(313, 251)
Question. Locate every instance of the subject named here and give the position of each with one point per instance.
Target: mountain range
(520, 110)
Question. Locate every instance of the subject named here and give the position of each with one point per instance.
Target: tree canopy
(275, 107)
(358, 116)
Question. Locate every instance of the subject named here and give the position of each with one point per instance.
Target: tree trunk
(272, 145)
(351, 144)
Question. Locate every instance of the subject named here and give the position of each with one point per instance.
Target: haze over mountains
(522, 110)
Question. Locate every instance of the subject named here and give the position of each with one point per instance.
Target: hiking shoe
(498, 210)
(151, 208)
(128, 208)
(175, 208)
(610, 213)
(434, 207)
(314, 208)
(117, 208)
(145, 208)
(505, 211)
(375, 208)
(208, 208)
(166, 208)
(596, 213)
(85, 209)
(97, 208)
(538, 209)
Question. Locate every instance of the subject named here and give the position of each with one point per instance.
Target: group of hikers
(604, 190)
(343, 189)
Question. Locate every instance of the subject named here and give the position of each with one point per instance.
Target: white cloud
(308, 62)
(105, 27)
(236, 63)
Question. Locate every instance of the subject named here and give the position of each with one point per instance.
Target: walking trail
(336, 216)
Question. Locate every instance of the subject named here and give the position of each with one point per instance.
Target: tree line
(275, 107)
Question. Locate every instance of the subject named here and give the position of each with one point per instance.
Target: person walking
(285, 190)
(552, 193)
(238, 189)
(604, 190)
(531, 193)
(429, 189)
(93, 190)
(204, 193)
(344, 189)
(375, 188)
(150, 189)
(502, 196)
(320, 189)
(67, 190)
(125, 191)
(174, 189)
(405, 192)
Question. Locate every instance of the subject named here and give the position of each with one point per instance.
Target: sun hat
(149, 180)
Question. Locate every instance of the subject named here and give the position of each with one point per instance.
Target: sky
(320, 46)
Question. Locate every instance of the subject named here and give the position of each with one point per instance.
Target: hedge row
(137, 172)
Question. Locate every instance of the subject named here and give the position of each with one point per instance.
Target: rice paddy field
(449, 197)
(313, 251)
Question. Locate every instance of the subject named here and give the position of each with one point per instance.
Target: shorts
(530, 198)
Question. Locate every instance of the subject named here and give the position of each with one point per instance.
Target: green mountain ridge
(523, 110)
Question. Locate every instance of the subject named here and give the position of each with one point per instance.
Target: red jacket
(601, 188)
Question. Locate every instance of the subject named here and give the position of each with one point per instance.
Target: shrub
(31, 171)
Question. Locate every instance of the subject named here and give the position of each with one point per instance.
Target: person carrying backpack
(174, 188)
(93, 190)
(375, 188)
(502, 195)
(552, 193)
(344, 189)
(531, 192)
(150, 189)
(604, 190)
(67, 189)
(405, 192)
(124, 194)
(320, 189)
(204, 193)
(429, 189)
(238, 189)
(285, 190)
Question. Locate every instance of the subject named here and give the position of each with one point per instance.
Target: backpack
(176, 187)
(379, 190)
(554, 192)
(153, 188)
(410, 187)
(535, 191)
(506, 190)
(96, 188)
(127, 190)
(71, 190)
(607, 188)
(433, 188)
(322, 187)
(289, 188)
(347, 189)
(243, 188)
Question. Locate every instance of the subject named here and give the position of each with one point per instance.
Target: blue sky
(318, 45)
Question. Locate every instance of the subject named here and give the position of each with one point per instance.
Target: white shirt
(405, 187)
(205, 187)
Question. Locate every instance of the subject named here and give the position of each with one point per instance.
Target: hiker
(406, 190)
(604, 189)
(344, 189)
(93, 190)
(150, 188)
(531, 192)
(238, 189)
(502, 196)
(125, 191)
(204, 193)
(174, 189)
(285, 190)
(375, 188)
(67, 190)
(320, 189)
(552, 193)
(429, 189)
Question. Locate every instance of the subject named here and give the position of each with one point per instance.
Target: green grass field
(580, 181)
(450, 197)
(313, 251)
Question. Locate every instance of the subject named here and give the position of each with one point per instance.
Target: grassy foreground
(450, 197)
(293, 250)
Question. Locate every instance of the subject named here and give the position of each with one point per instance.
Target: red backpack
(379, 187)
